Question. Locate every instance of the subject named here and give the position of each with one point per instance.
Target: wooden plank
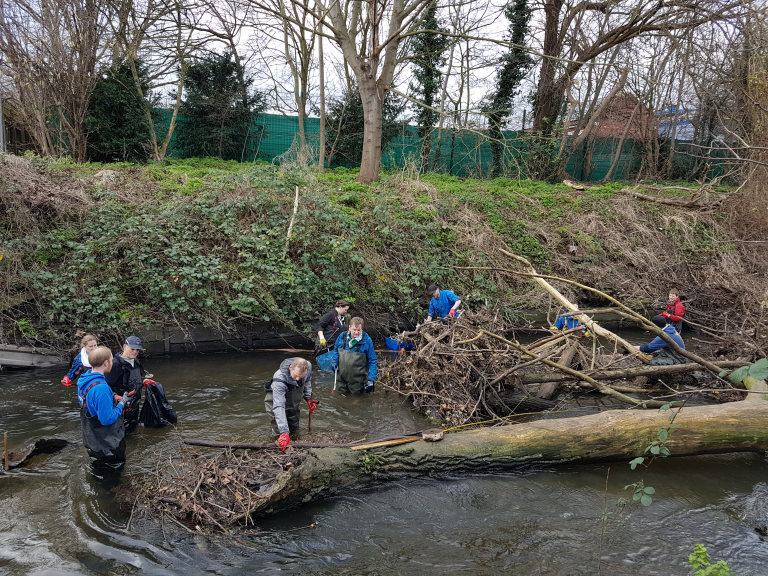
(385, 443)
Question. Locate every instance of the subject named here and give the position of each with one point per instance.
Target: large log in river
(611, 435)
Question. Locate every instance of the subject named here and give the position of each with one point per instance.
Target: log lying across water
(611, 435)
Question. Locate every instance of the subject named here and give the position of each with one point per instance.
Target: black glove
(126, 399)
(368, 387)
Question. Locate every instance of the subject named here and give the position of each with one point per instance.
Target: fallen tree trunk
(610, 435)
(548, 389)
(541, 377)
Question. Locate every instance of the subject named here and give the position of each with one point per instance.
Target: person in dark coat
(331, 324)
(101, 413)
(128, 375)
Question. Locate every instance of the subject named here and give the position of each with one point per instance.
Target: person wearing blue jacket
(569, 322)
(443, 303)
(80, 363)
(101, 417)
(663, 355)
(354, 360)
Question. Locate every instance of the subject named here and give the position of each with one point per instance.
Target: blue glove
(368, 387)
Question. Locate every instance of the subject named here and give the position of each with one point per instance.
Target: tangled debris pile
(218, 489)
(458, 381)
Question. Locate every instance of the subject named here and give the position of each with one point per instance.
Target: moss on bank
(205, 241)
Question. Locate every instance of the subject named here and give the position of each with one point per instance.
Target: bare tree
(52, 50)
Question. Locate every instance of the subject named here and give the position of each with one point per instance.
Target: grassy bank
(117, 247)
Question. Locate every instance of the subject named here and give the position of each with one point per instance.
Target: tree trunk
(610, 435)
(548, 389)
(372, 99)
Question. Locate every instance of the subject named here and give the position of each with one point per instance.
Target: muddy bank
(137, 250)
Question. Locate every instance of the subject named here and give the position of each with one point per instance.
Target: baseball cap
(134, 342)
(432, 288)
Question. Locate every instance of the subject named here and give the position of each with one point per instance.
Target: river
(57, 518)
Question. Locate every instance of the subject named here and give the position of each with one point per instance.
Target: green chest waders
(293, 400)
(353, 371)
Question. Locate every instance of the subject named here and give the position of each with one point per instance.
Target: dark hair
(341, 303)
(660, 321)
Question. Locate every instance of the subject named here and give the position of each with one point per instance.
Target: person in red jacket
(675, 310)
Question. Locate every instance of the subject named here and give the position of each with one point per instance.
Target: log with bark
(608, 436)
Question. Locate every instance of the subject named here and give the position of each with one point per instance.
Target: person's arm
(100, 401)
(654, 345)
(279, 390)
(325, 322)
(373, 364)
(454, 300)
(560, 323)
(431, 313)
(335, 352)
(76, 363)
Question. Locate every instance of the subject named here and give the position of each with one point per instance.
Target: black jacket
(330, 325)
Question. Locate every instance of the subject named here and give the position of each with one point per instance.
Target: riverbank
(122, 248)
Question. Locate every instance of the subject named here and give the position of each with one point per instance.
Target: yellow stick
(386, 443)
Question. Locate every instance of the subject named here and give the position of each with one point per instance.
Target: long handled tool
(335, 372)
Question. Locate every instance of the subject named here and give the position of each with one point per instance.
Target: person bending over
(663, 355)
(291, 384)
(443, 303)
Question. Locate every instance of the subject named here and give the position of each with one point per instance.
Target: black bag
(156, 411)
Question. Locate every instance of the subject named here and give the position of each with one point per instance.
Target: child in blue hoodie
(663, 355)
(80, 364)
(101, 413)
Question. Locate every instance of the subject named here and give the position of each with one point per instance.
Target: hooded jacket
(94, 392)
(282, 384)
(657, 343)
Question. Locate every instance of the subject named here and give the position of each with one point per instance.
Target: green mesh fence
(464, 153)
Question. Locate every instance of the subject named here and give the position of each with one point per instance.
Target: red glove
(452, 313)
(66, 381)
(148, 381)
(131, 393)
(665, 314)
(284, 441)
(312, 405)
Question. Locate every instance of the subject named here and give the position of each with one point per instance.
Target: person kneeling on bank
(663, 355)
(290, 384)
(354, 358)
(101, 413)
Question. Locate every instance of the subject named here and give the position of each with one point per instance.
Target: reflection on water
(59, 518)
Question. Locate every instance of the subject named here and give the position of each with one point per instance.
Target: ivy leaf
(649, 490)
(737, 376)
(655, 449)
(646, 500)
(759, 370)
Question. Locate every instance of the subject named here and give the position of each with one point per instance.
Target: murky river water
(57, 518)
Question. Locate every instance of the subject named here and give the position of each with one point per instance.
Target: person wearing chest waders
(354, 360)
(662, 354)
(101, 413)
(290, 385)
(331, 324)
(80, 363)
(128, 376)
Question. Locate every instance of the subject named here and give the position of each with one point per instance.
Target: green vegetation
(204, 240)
(700, 563)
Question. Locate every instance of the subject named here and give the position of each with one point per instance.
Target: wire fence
(467, 153)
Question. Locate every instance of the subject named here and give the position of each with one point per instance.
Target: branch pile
(216, 490)
(460, 383)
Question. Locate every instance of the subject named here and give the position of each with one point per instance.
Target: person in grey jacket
(291, 384)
